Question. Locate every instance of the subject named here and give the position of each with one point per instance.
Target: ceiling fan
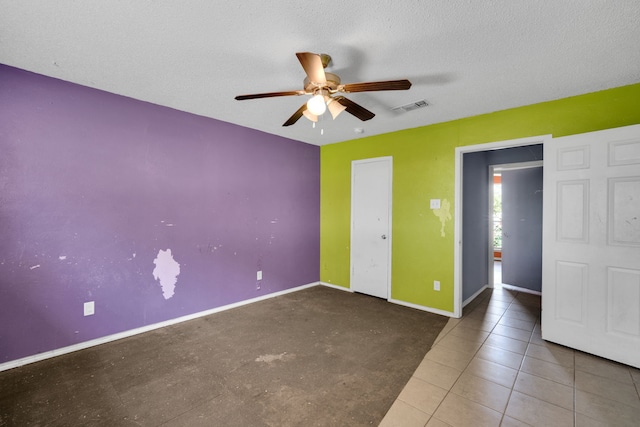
(324, 86)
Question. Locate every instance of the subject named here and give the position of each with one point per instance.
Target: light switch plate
(89, 308)
(259, 275)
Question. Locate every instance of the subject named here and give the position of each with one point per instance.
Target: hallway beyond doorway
(497, 274)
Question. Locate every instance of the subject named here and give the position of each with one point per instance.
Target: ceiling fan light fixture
(335, 108)
(316, 105)
(310, 116)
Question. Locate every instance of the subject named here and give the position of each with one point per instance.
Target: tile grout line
(502, 413)
(463, 370)
(529, 343)
(518, 370)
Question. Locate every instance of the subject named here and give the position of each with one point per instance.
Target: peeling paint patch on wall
(166, 272)
(443, 214)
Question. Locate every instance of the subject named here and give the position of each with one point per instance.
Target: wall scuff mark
(166, 272)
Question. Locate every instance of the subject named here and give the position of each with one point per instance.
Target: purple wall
(92, 187)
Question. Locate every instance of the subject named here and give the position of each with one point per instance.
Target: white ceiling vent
(412, 106)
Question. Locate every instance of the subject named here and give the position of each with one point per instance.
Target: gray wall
(475, 193)
(522, 228)
(475, 222)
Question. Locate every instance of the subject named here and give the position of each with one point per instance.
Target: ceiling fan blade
(312, 64)
(355, 109)
(296, 115)
(375, 86)
(269, 95)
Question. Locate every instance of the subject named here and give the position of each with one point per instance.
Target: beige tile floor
(492, 368)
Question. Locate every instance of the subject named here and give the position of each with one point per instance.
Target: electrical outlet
(436, 285)
(89, 308)
(434, 203)
(259, 275)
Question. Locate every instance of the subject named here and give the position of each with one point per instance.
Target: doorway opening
(496, 227)
(476, 241)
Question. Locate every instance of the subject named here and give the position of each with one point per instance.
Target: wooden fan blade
(375, 86)
(312, 64)
(296, 115)
(269, 95)
(355, 109)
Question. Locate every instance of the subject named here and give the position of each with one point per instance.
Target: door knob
(384, 236)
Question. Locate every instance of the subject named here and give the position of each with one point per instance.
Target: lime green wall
(423, 168)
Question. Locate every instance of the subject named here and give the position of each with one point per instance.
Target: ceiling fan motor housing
(333, 81)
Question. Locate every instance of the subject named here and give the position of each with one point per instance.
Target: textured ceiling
(464, 57)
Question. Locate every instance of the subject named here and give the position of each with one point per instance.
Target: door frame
(457, 233)
(492, 170)
(389, 160)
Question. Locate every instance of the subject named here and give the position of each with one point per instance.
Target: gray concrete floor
(319, 356)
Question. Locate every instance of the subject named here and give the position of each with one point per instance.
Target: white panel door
(371, 226)
(591, 249)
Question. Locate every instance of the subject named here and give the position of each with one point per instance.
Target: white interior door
(591, 249)
(371, 226)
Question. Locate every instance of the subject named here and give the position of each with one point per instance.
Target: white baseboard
(423, 308)
(103, 340)
(340, 288)
(395, 301)
(109, 338)
(519, 289)
(474, 296)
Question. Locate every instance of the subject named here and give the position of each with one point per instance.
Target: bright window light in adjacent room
(316, 105)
